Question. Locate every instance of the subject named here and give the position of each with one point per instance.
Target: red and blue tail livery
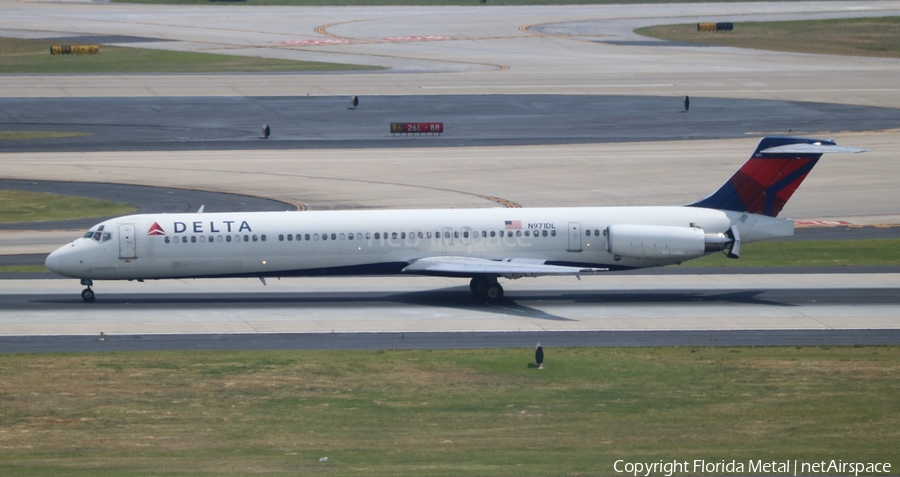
(767, 180)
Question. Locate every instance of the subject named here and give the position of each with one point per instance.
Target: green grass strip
(22, 135)
(23, 269)
(478, 412)
(33, 56)
(808, 253)
(21, 206)
(855, 37)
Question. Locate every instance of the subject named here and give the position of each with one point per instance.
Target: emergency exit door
(574, 237)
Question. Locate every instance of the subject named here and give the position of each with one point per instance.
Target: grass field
(33, 57)
(14, 135)
(812, 253)
(472, 412)
(857, 37)
(21, 206)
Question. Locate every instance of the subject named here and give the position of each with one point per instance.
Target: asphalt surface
(515, 303)
(512, 339)
(211, 123)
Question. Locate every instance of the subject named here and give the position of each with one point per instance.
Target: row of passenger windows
(412, 235)
(217, 238)
(358, 236)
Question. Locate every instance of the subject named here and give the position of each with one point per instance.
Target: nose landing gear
(486, 286)
(87, 294)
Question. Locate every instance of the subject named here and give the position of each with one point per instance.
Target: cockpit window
(97, 236)
(100, 228)
(89, 235)
(106, 236)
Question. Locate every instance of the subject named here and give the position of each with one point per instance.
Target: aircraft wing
(509, 268)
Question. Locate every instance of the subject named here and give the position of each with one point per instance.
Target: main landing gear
(87, 294)
(486, 286)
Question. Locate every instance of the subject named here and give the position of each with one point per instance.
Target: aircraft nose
(53, 262)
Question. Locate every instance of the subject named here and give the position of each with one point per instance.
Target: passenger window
(262, 237)
(596, 232)
(493, 234)
(456, 234)
(219, 238)
(305, 237)
(446, 234)
(509, 234)
(544, 233)
(466, 234)
(421, 235)
(254, 238)
(394, 235)
(518, 233)
(587, 232)
(228, 238)
(167, 239)
(202, 239)
(183, 239)
(342, 236)
(237, 238)
(324, 236)
(377, 236)
(211, 239)
(349, 236)
(281, 237)
(359, 236)
(193, 239)
(368, 235)
(527, 233)
(316, 237)
(333, 236)
(553, 233)
(428, 234)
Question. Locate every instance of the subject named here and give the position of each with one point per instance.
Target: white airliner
(480, 244)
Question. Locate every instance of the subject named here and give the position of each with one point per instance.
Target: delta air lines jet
(480, 244)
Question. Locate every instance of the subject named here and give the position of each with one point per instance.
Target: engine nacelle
(659, 241)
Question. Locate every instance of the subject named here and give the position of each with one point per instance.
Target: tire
(88, 295)
(493, 292)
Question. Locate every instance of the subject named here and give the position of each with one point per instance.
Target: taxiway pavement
(419, 304)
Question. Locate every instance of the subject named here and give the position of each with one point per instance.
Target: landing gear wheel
(493, 292)
(478, 285)
(87, 295)
(486, 287)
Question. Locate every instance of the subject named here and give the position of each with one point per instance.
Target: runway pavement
(419, 304)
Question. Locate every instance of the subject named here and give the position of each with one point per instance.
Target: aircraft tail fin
(767, 180)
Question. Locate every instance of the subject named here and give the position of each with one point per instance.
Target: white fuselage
(272, 244)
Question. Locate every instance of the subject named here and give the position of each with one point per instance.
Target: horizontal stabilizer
(468, 266)
(813, 149)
